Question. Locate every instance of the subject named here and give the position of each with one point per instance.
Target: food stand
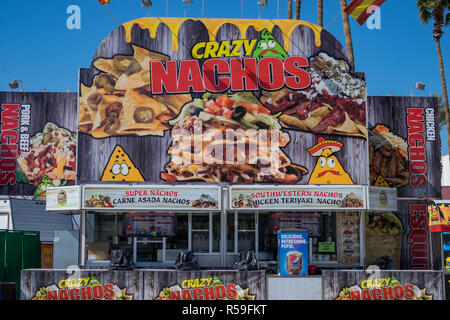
(229, 203)
(189, 139)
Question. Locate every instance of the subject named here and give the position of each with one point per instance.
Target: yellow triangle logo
(381, 182)
(121, 168)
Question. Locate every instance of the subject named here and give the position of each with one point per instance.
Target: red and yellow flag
(102, 2)
(359, 9)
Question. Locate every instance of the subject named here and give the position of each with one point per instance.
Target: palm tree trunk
(320, 12)
(444, 91)
(289, 9)
(298, 5)
(347, 32)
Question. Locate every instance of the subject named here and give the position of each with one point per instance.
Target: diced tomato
(228, 103)
(249, 106)
(262, 109)
(220, 100)
(213, 108)
(227, 113)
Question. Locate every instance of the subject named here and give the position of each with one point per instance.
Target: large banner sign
(404, 145)
(76, 284)
(38, 142)
(384, 285)
(172, 100)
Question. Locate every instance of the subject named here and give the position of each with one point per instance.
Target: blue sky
(38, 48)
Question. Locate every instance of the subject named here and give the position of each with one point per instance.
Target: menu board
(348, 237)
(150, 224)
(310, 222)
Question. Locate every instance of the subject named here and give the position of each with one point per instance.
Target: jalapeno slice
(105, 81)
(95, 100)
(126, 64)
(144, 115)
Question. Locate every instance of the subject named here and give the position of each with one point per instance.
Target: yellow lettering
(195, 284)
(208, 281)
(210, 50)
(198, 46)
(184, 284)
(364, 284)
(72, 283)
(62, 284)
(237, 44)
(248, 46)
(224, 49)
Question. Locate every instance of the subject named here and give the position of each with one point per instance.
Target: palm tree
(289, 9)
(320, 12)
(441, 111)
(347, 32)
(298, 5)
(439, 12)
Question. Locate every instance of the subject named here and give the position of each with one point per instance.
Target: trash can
(7, 291)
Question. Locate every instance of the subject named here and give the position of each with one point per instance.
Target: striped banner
(358, 9)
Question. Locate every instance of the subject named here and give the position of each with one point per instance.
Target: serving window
(150, 238)
(334, 236)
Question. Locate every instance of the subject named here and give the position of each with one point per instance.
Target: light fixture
(261, 3)
(15, 84)
(147, 4)
(419, 86)
(186, 2)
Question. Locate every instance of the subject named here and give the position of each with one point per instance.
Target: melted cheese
(213, 26)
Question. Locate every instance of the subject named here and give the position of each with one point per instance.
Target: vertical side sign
(9, 147)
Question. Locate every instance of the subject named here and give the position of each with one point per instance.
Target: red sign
(47, 255)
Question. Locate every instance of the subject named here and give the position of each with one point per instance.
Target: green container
(31, 246)
(18, 250)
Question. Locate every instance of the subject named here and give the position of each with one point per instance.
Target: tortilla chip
(141, 55)
(174, 102)
(132, 100)
(107, 65)
(362, 129)
(133, 81)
